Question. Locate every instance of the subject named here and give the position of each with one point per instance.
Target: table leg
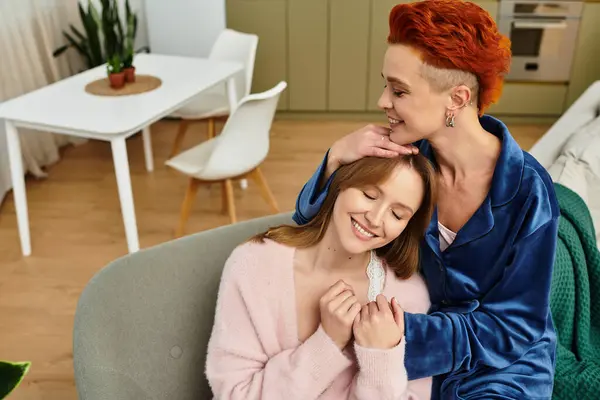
(233, 102)
(119, 150)
(148, 148)
(18, 183)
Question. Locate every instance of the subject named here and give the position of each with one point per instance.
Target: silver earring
(450, 120)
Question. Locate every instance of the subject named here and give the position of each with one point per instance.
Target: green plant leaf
(91, 29)
(131, 18)
(98, 21)
(110, 37)
(115, 64)
(120, 33)
(81, 48)
(77, 32)
(11, 375)
(94, 12)
(60, 50)
(104, 35)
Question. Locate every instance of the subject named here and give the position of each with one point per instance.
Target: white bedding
(578, 168)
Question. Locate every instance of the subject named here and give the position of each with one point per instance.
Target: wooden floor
(76, 229)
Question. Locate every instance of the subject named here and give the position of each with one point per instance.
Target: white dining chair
(235, 154)
(213, 104)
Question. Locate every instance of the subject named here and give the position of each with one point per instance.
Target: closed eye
(397, 93)
(368, 197)
(396, 216)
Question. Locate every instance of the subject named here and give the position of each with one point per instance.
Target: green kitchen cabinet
(308, 54)
(348, 49)
(533, 99)
(329, 51)
(586, 62)
(267, 19)
(380, 11)
(489, 6)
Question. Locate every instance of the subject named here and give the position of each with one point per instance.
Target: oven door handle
(539, 25)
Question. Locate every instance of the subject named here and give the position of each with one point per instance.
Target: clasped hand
(377, 325)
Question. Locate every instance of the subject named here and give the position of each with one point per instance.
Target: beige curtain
(30, 30)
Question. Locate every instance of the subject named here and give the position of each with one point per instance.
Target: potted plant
(131, 21)
(11, 375)
(88, 43)
(128, 67)
(116, 76)
(103, 34)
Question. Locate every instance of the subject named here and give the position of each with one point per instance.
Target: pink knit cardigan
(254, 351)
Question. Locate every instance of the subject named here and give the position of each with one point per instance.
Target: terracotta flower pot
(117, 80)
(129, 74)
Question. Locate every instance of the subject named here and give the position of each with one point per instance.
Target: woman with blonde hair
(488, 252)
(311, 312)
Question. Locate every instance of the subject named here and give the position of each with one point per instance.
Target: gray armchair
(143, 322)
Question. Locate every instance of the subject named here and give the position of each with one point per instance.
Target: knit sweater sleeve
(238, 366)
(381, 373)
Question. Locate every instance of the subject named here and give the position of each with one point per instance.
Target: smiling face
(370, 217)
(415, 109)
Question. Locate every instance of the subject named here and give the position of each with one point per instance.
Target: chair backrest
(244, 141)
(241, 47)
(143, 322)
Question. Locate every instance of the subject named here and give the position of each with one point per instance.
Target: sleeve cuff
(311, 197)
(429, 344)
(381, 368)
(316, 196)
(327, 361)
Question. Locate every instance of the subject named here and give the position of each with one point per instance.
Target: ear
(461, 96)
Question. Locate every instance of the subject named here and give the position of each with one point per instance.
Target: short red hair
(455, 34)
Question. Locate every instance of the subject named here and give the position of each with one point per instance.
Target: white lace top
(376, 274)
(376, 270)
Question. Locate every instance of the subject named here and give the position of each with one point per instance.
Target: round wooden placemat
(142, 84)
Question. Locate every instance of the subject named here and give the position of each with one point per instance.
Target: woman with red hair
(488, 253)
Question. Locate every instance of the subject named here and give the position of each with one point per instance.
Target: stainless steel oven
(543, 35)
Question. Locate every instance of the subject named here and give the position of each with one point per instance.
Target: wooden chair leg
(266, 193)
(183, 126)
(225, 203)
(228, 193)
(186, 207)
(211, 128)
(211, 133)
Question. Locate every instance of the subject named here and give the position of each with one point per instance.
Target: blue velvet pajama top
(489, 333)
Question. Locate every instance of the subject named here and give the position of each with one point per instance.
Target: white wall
(184, 27)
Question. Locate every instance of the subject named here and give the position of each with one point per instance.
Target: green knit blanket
(575, 301)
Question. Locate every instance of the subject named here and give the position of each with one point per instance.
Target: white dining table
(66, 108)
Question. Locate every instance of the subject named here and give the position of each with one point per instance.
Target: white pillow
(578, 168)
(584, 145)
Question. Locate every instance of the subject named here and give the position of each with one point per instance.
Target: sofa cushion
(578, 168)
